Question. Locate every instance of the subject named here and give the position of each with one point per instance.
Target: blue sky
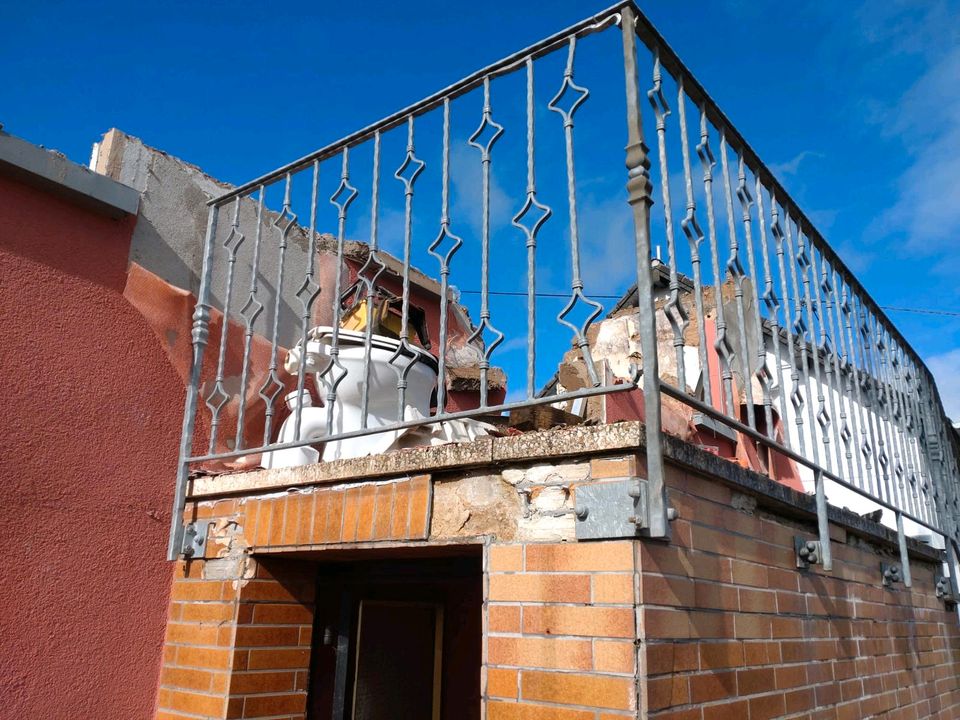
(855, 105)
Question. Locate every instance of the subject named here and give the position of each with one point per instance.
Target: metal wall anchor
(892, 573)
(944, 589)
(194, 538)
(809, 552)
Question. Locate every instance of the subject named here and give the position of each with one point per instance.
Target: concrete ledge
(484, 452)
(545, 446)
(54, 173)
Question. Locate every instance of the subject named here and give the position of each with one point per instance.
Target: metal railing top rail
(512, 62)
(910, 436)
(671, 61)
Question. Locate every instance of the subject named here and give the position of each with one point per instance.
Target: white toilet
(383, 398)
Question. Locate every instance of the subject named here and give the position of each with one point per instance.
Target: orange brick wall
(718, 623)
(561, 625)
(731, 629)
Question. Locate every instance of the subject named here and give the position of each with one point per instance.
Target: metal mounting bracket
(944, 588)
(809, 552)
(194, 538)
(610, 509)
(892, 573)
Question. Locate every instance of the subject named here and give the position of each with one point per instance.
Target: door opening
(398, 638)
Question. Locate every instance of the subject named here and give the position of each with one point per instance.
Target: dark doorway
(398, 638)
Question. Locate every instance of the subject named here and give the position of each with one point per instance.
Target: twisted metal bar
(771, 300)
(735, 270)
(720, 344)
(800, 337)
(250, 312)
(691, 228)
(796, 392)
(218, 397)
(825, 355)
(845, 374)
(486, 122)
(444, 259)
(761, 372)
(307, 294)
(576, 284)
(273, 386)
(673, 308)
(341, 199)
(407, 173)
(531, 205)
(369, 273)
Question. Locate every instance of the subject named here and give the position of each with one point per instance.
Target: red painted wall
(90, 429)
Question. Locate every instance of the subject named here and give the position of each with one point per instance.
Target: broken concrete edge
(580, 441)
(54, 172)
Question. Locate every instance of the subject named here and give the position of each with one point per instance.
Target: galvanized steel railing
(806, 364)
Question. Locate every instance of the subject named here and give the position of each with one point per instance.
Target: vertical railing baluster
(335, 372)
(218, 397)
(307, 294)
(876, 400)
(870, 390)
(691, 228)
(199, 335)
(531, 205)
(673, 309)
(805, 264)
(444, 259)
(405, 356)
(826, 350)
(845, 378)
(735, 270)
(796, 392)
(720, 343)
(761, 373)
(800, 330)
(486, 122)
(640, 200)
(273, 386)
(369, 273)
(865, 446)
(887, 402)
(772, 302)
(576, 281)
(250, 312)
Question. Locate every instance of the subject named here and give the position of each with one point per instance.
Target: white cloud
(946, 369)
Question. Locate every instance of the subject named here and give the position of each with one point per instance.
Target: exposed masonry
(718, 623)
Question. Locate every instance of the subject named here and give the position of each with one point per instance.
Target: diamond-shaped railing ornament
(217, 398)
(371, 270)
(486, 134)
(531, 218)
(488, 336)
(796, 399)
(272, 387)
(307, 292)
(251, 309)
(845, 434)
(823, 420)
(569, 98)
(579, 306)
(866, 451)
(444, 247)
(284, 221)
(410, 169)
(343, 196)
(233, 241)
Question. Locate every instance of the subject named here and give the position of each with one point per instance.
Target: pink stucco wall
(91, 414)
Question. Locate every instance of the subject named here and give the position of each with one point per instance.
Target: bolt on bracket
(891, 573)
(944, 589)
(809, 552)
(194, 538)
(616, 508)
